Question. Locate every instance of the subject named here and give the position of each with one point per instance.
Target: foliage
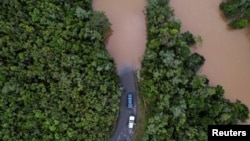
(57, 81)
(239, 23)
(181, 103)
(194, 62)
(188, 38)
(238, 11)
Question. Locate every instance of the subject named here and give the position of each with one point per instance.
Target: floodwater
(227, 52)
(127, 42)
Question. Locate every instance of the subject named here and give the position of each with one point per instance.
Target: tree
(239, 23)
(237, 11)
(57, 81)
(180, 104)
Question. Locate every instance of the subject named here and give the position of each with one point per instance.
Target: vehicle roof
(131, 117)
(130, 125)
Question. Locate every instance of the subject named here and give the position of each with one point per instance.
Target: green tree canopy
(237, 11)
(180, 103)
(57, 82)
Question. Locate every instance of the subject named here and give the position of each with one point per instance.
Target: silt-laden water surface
(227, 52)
(128, 40)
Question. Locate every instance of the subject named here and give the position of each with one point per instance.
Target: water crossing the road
(128, 40)
(126, 45)
(227, 52)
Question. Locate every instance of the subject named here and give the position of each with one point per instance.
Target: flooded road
(227, 52)
(128, 40)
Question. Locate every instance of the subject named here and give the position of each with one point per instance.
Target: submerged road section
(128, 82)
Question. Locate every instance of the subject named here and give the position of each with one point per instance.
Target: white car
(131, 122)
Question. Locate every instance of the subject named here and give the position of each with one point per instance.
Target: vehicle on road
(130, 100)
(131, 122)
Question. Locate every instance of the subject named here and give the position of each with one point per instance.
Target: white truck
(131, 122)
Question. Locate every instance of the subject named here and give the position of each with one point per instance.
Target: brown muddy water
(227, 52)
(127, 42)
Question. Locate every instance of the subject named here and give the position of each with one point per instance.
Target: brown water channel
(227, 52)
(128, 40)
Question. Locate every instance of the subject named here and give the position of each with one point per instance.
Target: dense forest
(179, 104)
(57, 81)
(237, 12)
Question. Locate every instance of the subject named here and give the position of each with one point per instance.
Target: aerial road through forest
(128, 82)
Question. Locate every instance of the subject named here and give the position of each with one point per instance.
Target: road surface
(128, 82)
